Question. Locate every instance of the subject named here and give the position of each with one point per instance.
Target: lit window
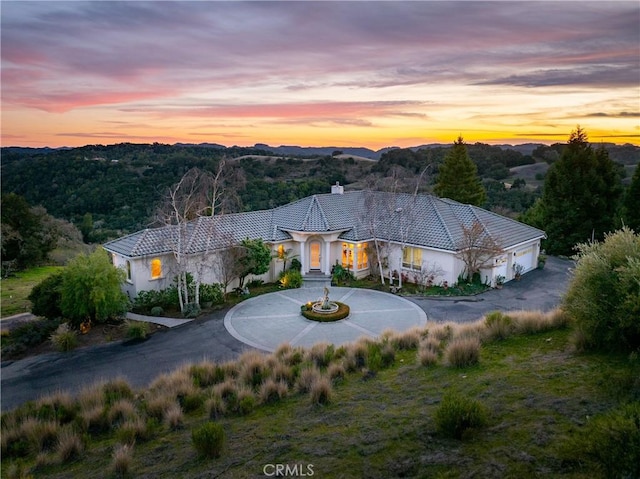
(363, 259)
(156, 268)
(128, 270)
(347, 255)
(412, 258)
(281, 252)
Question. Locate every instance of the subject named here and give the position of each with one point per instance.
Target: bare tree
(477, 248)
(228, 262)
(198, 193)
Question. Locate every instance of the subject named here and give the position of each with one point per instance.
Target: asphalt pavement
(208, 339)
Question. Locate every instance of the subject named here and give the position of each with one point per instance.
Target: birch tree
(477, 248)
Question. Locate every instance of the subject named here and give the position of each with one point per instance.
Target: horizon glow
(344, 74)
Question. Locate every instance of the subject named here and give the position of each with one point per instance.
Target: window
(361, 255)
(128, 268)
(347, 255)
(412, 258)
(281, 251)
(156, 268)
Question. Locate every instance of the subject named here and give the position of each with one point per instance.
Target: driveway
(207, 338)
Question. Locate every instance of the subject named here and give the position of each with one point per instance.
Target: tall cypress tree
(581, 196)
(632, 202)
(458, 177)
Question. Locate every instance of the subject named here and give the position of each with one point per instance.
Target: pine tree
(458, 177)
(581, 196)
(632, 202)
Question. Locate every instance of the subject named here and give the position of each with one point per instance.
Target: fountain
(324, 310)
(323, 305)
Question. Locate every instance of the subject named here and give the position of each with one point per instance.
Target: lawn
(538, 395)
(16, 288)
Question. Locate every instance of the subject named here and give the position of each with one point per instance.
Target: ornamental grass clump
(272, 391)
(208, 439)
(136, 330)
(321, 391)
(121, 459)
(531, 322)
(69, 445)
(498, 326)
(206, 374)
(321, 354)
(458, 415)
(132, 430)
(306, 379)
(173, 417)
(253, 369)
(64, 338)
(463, 352)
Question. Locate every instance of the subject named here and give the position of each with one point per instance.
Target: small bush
(457, 414)
(246, 402)
(463, 352)
(213, 293)
(208, 439)
(46, 296)
(64, 338)
(191, 310)
(121, 459)
(136, 329)
(291, 279)
(28, 335)
(609, 443)
(157, 311)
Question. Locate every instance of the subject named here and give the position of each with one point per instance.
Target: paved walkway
(267, 321)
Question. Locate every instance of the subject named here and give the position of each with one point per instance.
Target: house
(415, 235)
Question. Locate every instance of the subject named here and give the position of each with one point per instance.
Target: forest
(108, 191)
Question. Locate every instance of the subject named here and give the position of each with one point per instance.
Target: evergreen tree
(632, 202)
(458, 177)
(581, 196)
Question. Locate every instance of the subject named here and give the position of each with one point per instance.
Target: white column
(303, 259)
(327, 257)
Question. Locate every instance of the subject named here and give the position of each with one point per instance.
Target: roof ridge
(484, 226)
(144, 234)
(433, 200)
(314, 201)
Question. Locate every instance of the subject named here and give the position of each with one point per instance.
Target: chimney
(337, 189)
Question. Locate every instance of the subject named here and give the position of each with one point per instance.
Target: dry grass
(215, 407)
(528, 322)
(272, 391)
(336, 371)
(69, 445)
(321, 391)
(253, 368)
(41, 435)
(427, 357)
(121, 411)
(306, 379)
(463, 352)
(176, 383)
(122, 458)
(173, 416)
(468, 330)
(206, 373)
(408, 339)
(442, 332)
(282, 372)
(157, 406)
(320, 354)
(132, 430)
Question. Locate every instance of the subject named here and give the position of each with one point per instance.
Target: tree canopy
(632, 202)
(581, 196)
(458, 177)
(256, 258)
(91, 289)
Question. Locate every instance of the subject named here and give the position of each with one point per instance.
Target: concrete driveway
(207, 338)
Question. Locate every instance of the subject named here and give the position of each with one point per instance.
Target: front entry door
(314, 248)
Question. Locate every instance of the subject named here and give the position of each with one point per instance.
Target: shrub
(457, 414)
(136, 329)
(157, 311)
(295, 265)
(121, 459)
(321, 391)
(208, 439)
(45, 297)
(609, 442)
(463, 352)
(602, 297)
(498, 325)
(213, 293)
(191, 310)
(291, 279)
(28, 335)
(64, 338)
(246, 401)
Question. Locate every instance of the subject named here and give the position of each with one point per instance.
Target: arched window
(156, 268)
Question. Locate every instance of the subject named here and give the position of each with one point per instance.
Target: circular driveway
(267, 321)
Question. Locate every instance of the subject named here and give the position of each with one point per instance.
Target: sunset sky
(370, 74)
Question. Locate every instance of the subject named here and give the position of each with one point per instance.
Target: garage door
(526, 257)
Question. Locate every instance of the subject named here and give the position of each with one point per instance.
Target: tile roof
(421, 220)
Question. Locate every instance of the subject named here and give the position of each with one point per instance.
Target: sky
(359, 73)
